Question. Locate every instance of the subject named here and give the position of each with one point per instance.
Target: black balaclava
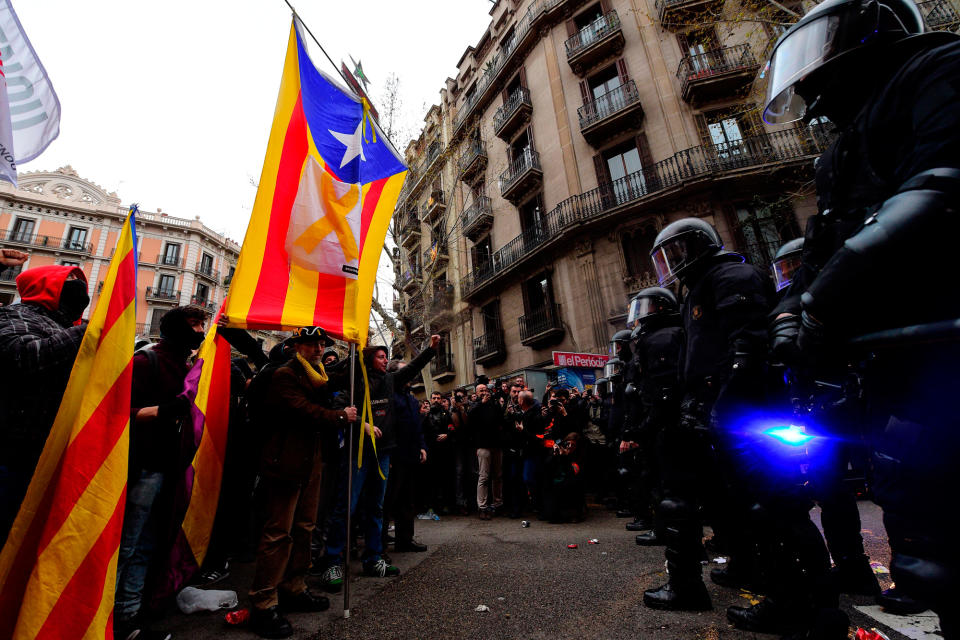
(183, 335)
(73, 299)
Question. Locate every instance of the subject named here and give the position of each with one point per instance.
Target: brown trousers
(283, 555)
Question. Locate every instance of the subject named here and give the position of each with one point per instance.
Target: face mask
(184, 336)
(73, 299)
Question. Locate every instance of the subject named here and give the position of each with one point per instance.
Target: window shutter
(646, 160)
(603, 180)
(604, 6)
(523, 77)
(533, 146)
(622, 71)
(684, 43)
(702, 129)
(571, 28)
(585, 92)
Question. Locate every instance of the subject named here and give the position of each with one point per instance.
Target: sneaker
(213, 576)
(332, 578)
(380, 569)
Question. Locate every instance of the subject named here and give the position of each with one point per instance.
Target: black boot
(649, 539)
(735, 576)
(639, 524)
(855, 576)
(691, 596)
(768, 617)
(894, 601)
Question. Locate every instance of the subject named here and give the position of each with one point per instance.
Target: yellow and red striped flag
(329, 184)
(58, 567)
(198, 492)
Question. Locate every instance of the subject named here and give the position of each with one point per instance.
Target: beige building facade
(573, 132)
(59, 217)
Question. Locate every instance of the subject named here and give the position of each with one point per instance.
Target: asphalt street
(535, 587)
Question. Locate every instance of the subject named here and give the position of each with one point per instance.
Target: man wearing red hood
(39, 340)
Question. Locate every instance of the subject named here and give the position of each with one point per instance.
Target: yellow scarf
(317, 378)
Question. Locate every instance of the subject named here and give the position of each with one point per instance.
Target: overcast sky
(170, 103)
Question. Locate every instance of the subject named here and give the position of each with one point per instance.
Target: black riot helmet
(652, 301)
(788, 258)
(818, 54)
(613, 370)
(620, 345)
(681, 245)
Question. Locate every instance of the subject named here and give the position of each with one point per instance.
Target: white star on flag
(353, 143)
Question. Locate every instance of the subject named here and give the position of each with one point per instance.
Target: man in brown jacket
(302, 399)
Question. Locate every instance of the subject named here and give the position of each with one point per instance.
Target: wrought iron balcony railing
(711, 64)
(528, 160)
(593, 33)
(157, 293)
(169, 261)
(442, 365)
(540, 322)
(701, 162)
(473, 152)
(207, 270)
(29, 239)
(608, 104)
(488, 346)
(519, 98)
(939, 14)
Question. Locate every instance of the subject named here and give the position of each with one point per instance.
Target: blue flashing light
(791, 435)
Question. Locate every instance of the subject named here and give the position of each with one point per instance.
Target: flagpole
(346, 566)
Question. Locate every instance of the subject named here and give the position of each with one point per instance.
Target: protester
(158, 407)
(410, 454)
(375, 468)
(563, 497)
(39, 340)
(465, 455)
(485, 419)
(302, 401)
(438, 428)
(515, 491)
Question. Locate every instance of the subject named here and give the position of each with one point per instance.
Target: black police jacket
(659, 350)
(910, 124)
(724, 314)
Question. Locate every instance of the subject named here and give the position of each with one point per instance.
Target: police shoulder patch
(697, 312)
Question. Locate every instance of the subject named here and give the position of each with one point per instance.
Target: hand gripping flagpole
(346, 566)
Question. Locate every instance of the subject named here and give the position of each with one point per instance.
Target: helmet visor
(794, 57)
(611, 370)
(669, 258)
(640, 308)
(783, 270)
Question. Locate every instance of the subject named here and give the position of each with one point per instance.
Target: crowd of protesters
(494, 449)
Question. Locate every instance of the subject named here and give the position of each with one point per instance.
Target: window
(604, 82)
(166, 285)
(490, 319)
(701, 48)
(9, 274)
(537, 293)
(726, 130)
(76, 238)
(521, 147)
(481, 255)
(531, 213)
(762, 228)
(203, 293)
(23, 230)
(589, 24)
(636, 246)
(206, 264)
(625, 171)
(69, 263)
(171, 255)
(508, 41)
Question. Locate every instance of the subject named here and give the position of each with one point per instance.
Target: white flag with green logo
(29, 110)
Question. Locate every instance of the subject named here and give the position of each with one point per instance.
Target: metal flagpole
(346, 566)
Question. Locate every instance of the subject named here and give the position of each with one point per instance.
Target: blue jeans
(373, 509)
(137, 542)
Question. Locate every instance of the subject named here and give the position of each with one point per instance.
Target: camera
(554, 402)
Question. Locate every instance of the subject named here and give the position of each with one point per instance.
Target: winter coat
(157, 379)
(37, 348)
(410, 438)
(293, 449)
(382, 390)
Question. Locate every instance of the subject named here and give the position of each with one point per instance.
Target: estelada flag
(329, 184)
(58, 568)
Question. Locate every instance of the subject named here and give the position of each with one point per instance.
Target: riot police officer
(723, 318)
(888, 190)
(658, 345)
